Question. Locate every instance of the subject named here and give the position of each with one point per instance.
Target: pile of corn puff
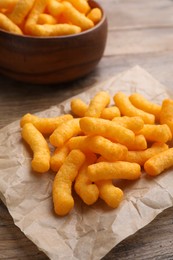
(98, 143)
(47, 17)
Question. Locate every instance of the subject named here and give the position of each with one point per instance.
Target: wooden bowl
(45, 60)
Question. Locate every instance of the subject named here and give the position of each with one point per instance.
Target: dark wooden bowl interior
(44, 60)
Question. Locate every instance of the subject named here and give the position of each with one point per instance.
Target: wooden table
(140, 33)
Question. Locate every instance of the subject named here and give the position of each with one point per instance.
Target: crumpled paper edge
(87, 232)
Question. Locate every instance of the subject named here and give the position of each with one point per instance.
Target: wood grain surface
(140, 33)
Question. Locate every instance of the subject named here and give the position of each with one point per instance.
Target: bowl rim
(103, 19)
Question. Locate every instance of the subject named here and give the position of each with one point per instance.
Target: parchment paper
(88, 232)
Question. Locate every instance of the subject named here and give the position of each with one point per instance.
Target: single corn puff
(166, 114)
(134, 123)
(77, 18)
(39, 146)
(20, 11)
(109, 193)
(156, 133)
(87, 190)
(110, 113)
(107, 129)
(95, 15)
(97, 104)
(64, 132)
(54, 29)
(7, 25)
(128, 109)
(79, 108)
(141, 157)
(114, 170)
(44, 125)
(46, 19)
(160, 162)
(142, 103)
(55, 8)
(99, 145)
(81, 5)
(62, 197)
